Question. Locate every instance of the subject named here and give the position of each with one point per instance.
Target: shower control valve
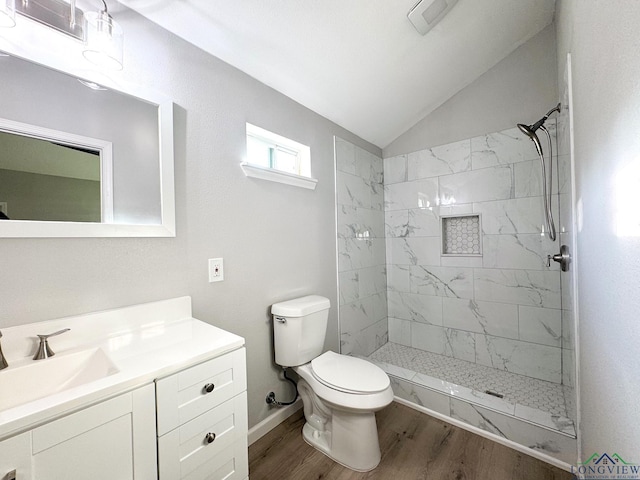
(563, 258)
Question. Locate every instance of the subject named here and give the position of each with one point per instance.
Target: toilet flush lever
(281, 320)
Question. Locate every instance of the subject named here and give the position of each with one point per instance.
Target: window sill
(278, 176)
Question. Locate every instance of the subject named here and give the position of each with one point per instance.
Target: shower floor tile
(527, 398)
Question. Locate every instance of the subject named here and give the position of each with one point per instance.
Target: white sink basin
(30, 380)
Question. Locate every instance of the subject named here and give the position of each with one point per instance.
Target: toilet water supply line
(271, 397)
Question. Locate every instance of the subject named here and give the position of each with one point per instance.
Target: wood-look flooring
(414, 446)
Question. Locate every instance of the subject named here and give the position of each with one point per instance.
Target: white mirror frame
(46, 47)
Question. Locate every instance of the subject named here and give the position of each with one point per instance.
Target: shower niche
(461, 235)
(451, 293)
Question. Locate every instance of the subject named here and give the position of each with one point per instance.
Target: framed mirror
(81, 160)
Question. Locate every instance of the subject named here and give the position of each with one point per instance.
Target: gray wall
(277, 241)
(519, 89)
(604, 43)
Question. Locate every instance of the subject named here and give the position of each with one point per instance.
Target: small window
(273, 157)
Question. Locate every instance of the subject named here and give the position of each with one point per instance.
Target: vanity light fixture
(101, 35)
(103, 39)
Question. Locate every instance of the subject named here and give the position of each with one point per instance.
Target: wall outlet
(216, 270)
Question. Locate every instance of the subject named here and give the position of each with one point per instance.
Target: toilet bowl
(340, 393)
(340, 420)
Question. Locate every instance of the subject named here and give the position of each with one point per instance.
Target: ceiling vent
(427, 13)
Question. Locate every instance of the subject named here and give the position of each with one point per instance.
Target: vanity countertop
(143, 342)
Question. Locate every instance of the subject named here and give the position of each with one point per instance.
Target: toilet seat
(346, 401)
(349, 374)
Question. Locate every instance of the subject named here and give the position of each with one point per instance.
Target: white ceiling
(359, 63)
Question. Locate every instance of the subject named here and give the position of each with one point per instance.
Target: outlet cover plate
(216, 270)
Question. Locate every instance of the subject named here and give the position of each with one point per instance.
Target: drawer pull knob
(208, 388)
(210, 437)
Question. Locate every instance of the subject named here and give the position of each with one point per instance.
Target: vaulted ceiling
(359, 63)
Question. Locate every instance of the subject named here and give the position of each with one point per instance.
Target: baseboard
(259, 430)
(491, 436)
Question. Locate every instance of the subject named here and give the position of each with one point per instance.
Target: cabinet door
(107, 441)
(15, 455)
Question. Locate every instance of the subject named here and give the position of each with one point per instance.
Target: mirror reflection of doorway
(48, 180)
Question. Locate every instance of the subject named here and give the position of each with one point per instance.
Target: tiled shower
(444, 283)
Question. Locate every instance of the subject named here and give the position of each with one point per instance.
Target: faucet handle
(54, 334)
(3, 360)
(44, 351)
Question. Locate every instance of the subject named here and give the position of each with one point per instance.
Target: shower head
(530, 130)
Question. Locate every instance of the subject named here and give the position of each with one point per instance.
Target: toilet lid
(349, 374)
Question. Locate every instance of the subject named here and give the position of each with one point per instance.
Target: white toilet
(340, 393)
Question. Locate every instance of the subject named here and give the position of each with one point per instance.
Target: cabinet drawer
(184, 396)
(232, 464)
(186, 452)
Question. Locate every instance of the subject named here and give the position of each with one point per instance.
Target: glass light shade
(7, 13)
(103, 40)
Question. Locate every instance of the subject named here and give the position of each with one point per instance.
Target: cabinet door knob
(209, 437)
(208, 388)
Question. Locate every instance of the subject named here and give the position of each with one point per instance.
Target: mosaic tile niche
(461, 235)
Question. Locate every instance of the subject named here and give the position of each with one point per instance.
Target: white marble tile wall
(524, 432)
(503, 309)
(554, 444)
(362, 278)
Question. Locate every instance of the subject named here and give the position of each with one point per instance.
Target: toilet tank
(299, 329)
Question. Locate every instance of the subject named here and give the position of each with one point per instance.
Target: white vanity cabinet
(112, 439)
(164, 398)
(189, 425)
(202, 421)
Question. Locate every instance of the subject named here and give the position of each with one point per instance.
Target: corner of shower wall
(362, 274)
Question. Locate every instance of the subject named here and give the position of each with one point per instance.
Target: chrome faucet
(44, 351)
(3, 360)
